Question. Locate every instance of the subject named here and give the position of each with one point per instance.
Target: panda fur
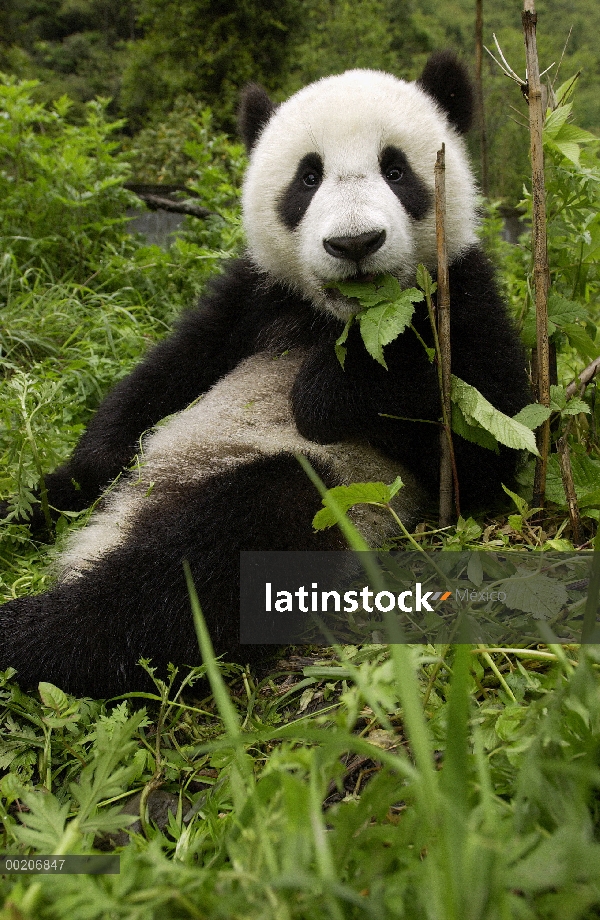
(339, 185)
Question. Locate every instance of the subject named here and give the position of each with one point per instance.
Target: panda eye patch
(294, 200)
(410, 190)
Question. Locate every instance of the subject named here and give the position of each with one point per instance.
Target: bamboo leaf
(538, 595)
(358, 493)
(533, 415)
(478, 410)
(380, 325)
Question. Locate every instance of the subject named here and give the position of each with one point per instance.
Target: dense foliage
(506, 828)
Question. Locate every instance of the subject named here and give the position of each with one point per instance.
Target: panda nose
(355, 248)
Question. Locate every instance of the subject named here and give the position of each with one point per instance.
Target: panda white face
(341, 185)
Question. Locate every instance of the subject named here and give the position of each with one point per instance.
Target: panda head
(340, 182)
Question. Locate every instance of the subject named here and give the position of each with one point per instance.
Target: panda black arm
(208, 342)
(332, 404)
(177, 369)
(486, 349)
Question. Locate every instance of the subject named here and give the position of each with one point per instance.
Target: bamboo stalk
(540, 248)
(448, 477)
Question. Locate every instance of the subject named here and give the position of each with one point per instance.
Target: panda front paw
(318, 405)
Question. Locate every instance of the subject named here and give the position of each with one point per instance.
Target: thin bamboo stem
(448, 478)
(540, 248)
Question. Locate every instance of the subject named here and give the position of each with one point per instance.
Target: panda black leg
(86, 635)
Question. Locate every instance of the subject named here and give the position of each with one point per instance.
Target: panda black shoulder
(255, 313)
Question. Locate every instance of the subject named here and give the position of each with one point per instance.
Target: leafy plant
(460, 781)
(61, 184)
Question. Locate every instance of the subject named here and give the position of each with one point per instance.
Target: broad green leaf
(554, 487)
(561, 310)
(578, 135)
(586, 473)
(380, 325)
(528, 331)
(53, 697)
(358, 493)
(475, 569)
(565, 90)
(533, 415)
(573, 134)
(575, 406)
(561, 313)
(581, 341)
(586, 477)
(425, 281)
(478, 410)
(560, 403)
(539, 595)
(387, 311)
(590, 500)
(556, 119)
(559, 544)
(474, 433)
(516, 522)
(568, 149)
(384, 288)
(558, 397)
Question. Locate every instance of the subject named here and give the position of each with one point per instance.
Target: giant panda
(339, 186)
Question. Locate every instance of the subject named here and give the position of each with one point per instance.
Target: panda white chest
(246, 416)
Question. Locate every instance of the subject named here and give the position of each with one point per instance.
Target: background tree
(206, 48)
(78, 47)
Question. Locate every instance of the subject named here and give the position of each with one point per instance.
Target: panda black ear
(254, 112)
(447, 81)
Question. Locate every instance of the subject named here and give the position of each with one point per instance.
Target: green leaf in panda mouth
(384, 311)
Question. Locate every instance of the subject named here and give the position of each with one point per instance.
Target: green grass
(421, 783)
